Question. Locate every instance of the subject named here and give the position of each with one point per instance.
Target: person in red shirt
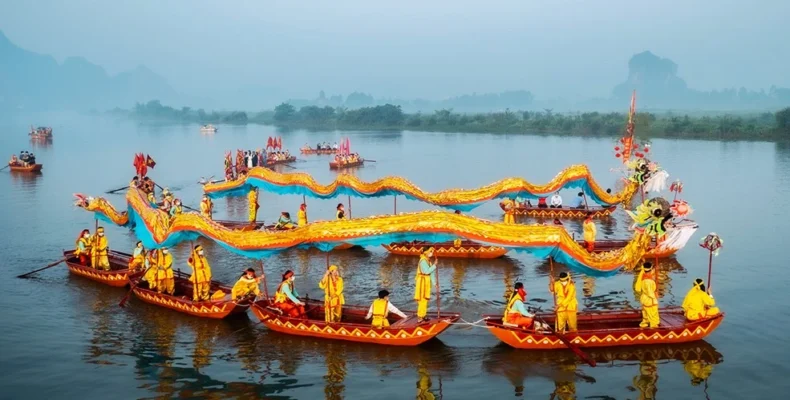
(542, 202)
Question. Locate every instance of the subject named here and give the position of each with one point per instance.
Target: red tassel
(647, 150)
(617, 148)
(636, 145)
(617, 155)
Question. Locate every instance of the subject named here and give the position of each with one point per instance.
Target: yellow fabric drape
(201, 277)
(590, 231)
(333, 298)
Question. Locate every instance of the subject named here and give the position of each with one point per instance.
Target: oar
(117, 190)
(132, 285)
(567, 342)
(438, 291)
(366, 160)
(5, 167)
(188, 207)
(41, 269)
(265, 286)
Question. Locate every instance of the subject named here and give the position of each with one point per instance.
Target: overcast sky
(430, 49)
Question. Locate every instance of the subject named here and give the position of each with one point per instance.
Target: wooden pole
(304, 200)
(349, 206)
(395, 205)
(263, 277)
(710, 267)
(438, 288)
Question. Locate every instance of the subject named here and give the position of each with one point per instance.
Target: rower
(381, 308)
(14, 160)
(516, 313)
(151, 270)
(556, 200)
(167, 201)
(99, 251)
(699, 304)
(206, 206)
(201, 274)
(589, 232)
(510, 211)
(82, 248)
(646, 286)
(134, 183)
(542, 202)
(302, 215)
(287, 299)
(340, 214)
(176, 209)
(426, 275)
(164, 276)
(151, 199)
(578, 202)
(285, 221)
(566, 303)
(332, 284)
(246, 286)
(253, 202)
(138, 257)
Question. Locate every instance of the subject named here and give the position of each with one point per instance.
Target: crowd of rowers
(25, 159)
(285, 222)
(246, 160)
(579, 202)
(322, 146)
(347, 158)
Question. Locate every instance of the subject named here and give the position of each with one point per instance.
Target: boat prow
(354, 327)
(608, 329)
(119, 274)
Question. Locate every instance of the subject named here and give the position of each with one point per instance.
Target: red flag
(280, 142)
(632, 109)
(269, 142)
(348, 146)
(149, 162)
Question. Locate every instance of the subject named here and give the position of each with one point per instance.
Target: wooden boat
(240, 225)
(354, 327)
(181, 301)
(270, 162)
(602, 246)
(607, 329)
(337, 165)
(561, 212)
(208, 129)
(308, 150)
(41, 132)
(26, 168)
(119, 274)
(465, 249)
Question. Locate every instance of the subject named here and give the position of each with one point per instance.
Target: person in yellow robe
(253, 201)
(589, 232)
(246, 286)
(138, 257)
(164, 274)
(380, 310)
(332, 284)
(510, 211)
(135, 183)
(567, 305)
(99, 251)
(423, 280)
(201, 274)
(646, 287)
(302, 215)
(176, 209)
(206, 207)
(151, 269)
(82, 248)
(151, 199)
(699, 304)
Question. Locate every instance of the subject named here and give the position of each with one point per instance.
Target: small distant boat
(308, 150)
(271, 161)
(208, 129)
(26, 168)
(41, 132)
(342, 164)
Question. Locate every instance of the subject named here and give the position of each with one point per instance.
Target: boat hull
(405, 333)
(563, 212)
(608, 329)
(467, 249)
(288, 160)
(336, 165)
(118, 276)
(29, 168)
(602, 246)
(181, 300)
(316, 151)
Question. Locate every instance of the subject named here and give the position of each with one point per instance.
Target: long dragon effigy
(155, 229)
(575, 176)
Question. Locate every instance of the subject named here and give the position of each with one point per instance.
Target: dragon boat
(522, 209)
(181, 300)
(308, 150)
(607, 329)
(353, 326)
(26, 168)
(119, 274)
(451, 249)
(343, 164)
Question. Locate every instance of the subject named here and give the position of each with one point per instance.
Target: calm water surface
(65, 337)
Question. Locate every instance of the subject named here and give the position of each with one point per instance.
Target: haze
(409, 49)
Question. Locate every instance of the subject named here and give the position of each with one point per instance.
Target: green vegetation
(155, 111)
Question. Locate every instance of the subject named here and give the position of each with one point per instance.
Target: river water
(64, 337)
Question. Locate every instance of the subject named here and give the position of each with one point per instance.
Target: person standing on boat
(332, 284)
(138, 257)
(426, 275)
(646, 286)
(699, 304)
(99, 250)
(151, 199)
(510, 211)
(565, 295)
(302, 215)
(246, 286)
(82, 249)
(381, 308)
(164, 274)
(206, 206)
(340, 214)
(589, 232)
(176, 209)
(253, 201)
(287, 299)
(201, 274)
(556, 200)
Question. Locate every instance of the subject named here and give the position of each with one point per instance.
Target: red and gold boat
(602, 246)
(117, 276)
(181, 301)
(561, 212)
(26, 168)
(341, 165)
(240, 225)
(456, 249)
(354, 327)
(270, 162)
(317, 151)
(608, 329)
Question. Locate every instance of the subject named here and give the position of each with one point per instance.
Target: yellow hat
(198, 248)
(428, 250)
(100, 229)
(332, 268)
(564, 276)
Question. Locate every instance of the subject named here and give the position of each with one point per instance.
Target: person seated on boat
(516, 311)
(578, 202)
(165, 283)
(206, 206)
(319, 146)
(138, 257)
(14, 160)
(82, 248)
(424, 281)
(176, 209)
(566, 303)
(287, 299)
(645, 286)
(302, 215)
(167, 201)
(699, 304)
(542, 202)
(510, 211)
(340, 214)
(246, 286)
(287, 155)
(332, 285)
(381, 308)
(201, 274)
(556, 200)
(284, 222)
(99, 251)
(589, 232)
(557, 222)
(151, 199)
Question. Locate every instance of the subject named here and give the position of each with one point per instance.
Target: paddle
(117, 190)
(5, 167)
(567, 342)
(41, 269)
(132, 285)
(366, 160)
(438, 292)
(265, 286)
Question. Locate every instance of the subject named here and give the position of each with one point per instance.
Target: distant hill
(31, 81)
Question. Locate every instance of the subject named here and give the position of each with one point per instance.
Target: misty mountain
(31, 81)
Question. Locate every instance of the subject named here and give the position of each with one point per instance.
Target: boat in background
(119, 274)
(41, 132)
(523, 209)
(26, 168)
(208, 129)
(455, 249)
(308, 150)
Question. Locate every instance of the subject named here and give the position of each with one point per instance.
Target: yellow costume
(138, 258)
(589, 233)
(567, 304)
(333, 296)
(423, 283)
(302, 217)
(380, 312)
(99, 251)
(150, 269)
(245, 287)
(205, 207)
(164, 274)
(151, 198)
(646, 286)
(699, 304)
(510, 211)
(82, 246)
(253, 200)
(201, 275)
